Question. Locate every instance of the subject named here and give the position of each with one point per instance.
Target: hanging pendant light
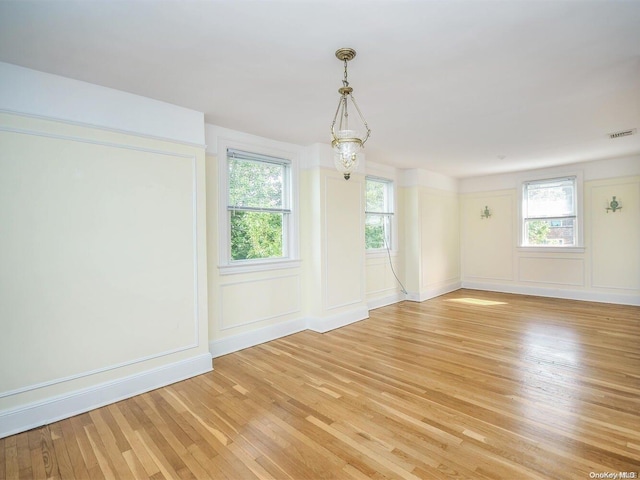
(347, 140)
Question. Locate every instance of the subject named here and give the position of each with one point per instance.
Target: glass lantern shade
(347, 145)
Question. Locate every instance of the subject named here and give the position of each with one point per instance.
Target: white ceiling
(463, 88)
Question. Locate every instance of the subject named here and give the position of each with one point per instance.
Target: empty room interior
(319, 239)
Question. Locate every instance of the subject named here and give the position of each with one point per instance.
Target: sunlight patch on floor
(475, 301)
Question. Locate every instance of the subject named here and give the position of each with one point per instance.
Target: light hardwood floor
(467, 385)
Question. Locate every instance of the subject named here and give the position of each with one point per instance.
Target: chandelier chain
(345, 82)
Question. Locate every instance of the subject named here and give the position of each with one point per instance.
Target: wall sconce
(486, 213)
(614, 205)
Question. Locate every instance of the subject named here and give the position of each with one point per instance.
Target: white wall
(103, 282)
(605, 268)
(430, 226)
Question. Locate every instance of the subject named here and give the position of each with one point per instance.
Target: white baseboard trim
(584, 295)
(384, 301)
(26, 417)
(433, 292)
(325, 324)
(241, 341)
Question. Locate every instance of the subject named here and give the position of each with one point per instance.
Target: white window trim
(291, 236)
(376, 252)
(579, 246)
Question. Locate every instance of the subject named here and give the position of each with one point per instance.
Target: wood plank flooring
(472, 384)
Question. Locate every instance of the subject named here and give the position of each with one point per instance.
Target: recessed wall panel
(552, 270)
(615, 236)
(488, 243)
(344, 241)
(98, 256)
(439, 237)
(251, 301)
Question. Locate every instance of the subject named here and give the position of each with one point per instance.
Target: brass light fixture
(346, 140)
(486, 213)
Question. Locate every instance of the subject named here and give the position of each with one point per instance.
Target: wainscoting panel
(99, 259)
(344, 242)
(552, 270)
(256, 300)
(615, 237)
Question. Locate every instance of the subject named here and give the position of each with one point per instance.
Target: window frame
(290, 258)
(578, 214)
(389, 213)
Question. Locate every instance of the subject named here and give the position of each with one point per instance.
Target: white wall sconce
(486, 213)
(614, 205)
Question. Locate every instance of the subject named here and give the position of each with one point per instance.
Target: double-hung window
(378, 213)
(549, 213)
(258, 206)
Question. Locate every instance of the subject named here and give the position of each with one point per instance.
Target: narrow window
(258, 206)
(550, 213)
(378, 213)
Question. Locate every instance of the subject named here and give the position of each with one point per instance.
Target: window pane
(256, 184)
(550, 199)
(556, 231)
(256, 235)
(377, 231)
(376, 193)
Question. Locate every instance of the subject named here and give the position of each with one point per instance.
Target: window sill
(258, 266)
(551, 249)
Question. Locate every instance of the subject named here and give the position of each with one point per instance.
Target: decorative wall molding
(325, 324)
(479, 278)
(90, 141)
(433, 292)
(610, 254)
(194, 343)
(26, 417)
(195, 339)
(584, 295)
(45, 95)
(295, 294)
(331, 249)
(374, 303)
(597, 169)
(380, 291)
(252, 338)
(565, 264)
(233, 343)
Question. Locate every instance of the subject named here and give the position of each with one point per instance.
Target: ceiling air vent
(623, 133)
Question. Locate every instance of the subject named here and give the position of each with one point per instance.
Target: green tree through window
(537, 232)
(378, 213)
(258, 206)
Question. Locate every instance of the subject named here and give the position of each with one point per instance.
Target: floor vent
(623, 133)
